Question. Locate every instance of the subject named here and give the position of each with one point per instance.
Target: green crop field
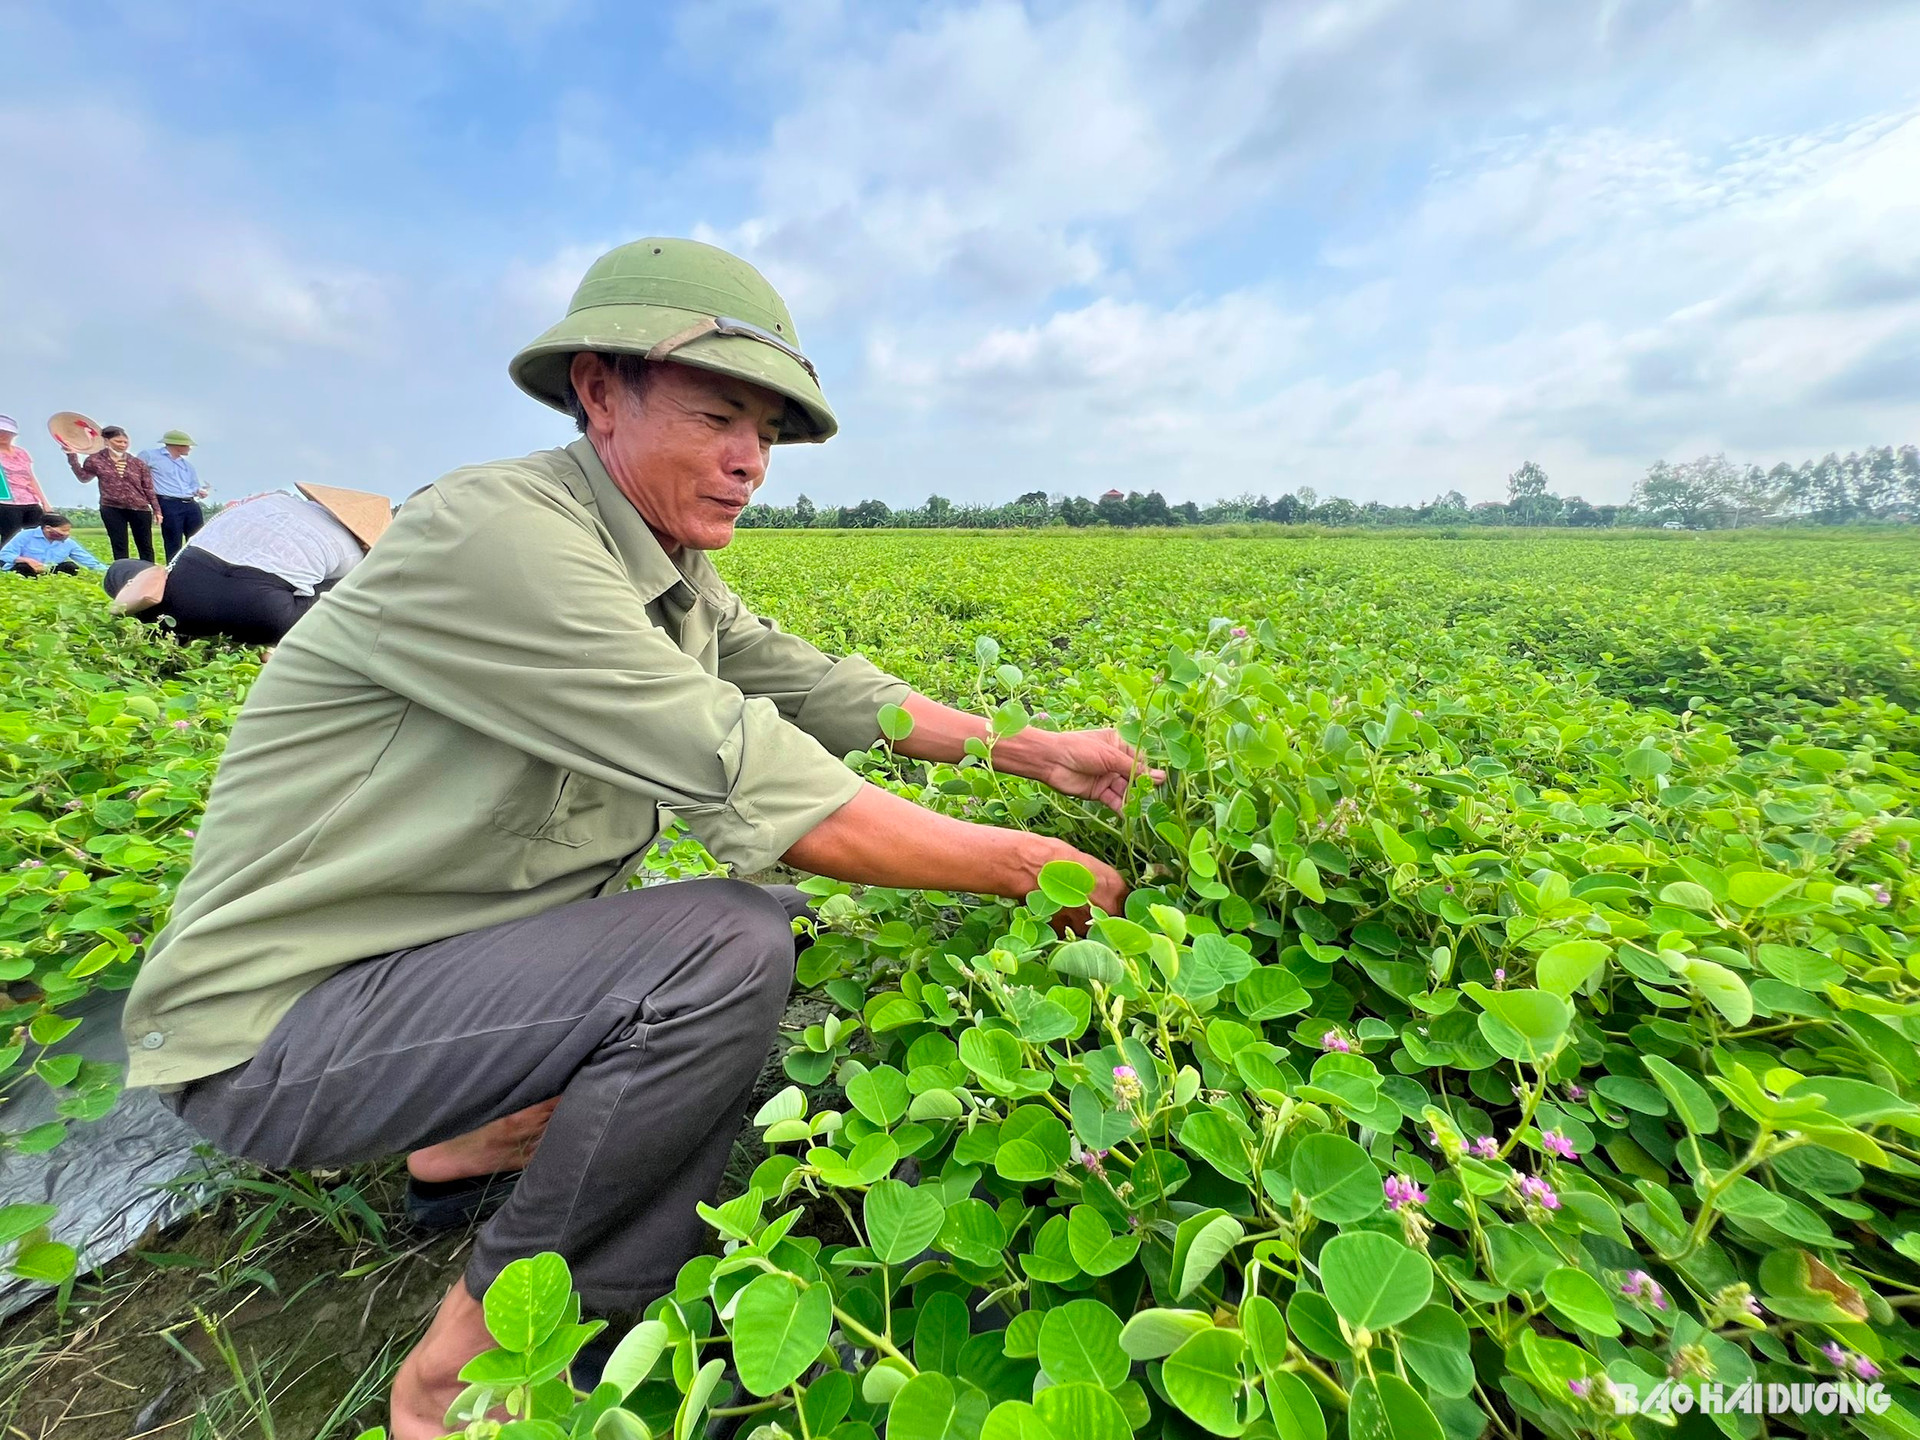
(1516, 1009)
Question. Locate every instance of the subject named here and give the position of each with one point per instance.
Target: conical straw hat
(76, 432)
(365, 514)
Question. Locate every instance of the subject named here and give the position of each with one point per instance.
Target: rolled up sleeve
(533, 635)
(835, 700)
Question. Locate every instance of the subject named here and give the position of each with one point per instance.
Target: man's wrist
(1025, 855)
(1025, 754)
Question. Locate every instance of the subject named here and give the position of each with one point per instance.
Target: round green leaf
(1338, 1179)
(1522, 1024)
(1153, 1333)
(1755, 888)
(1202, 1379)
(932, 1407)
(778, 1330)
(1581, 1299)
(902, 1220)
(1081, 1341)
(1437, 1345)
(1066, 883)
(1564, 968)
(1088, 960)
(1079, 1412)
(527, 1300)
(1373, 1280)
(1096, 1249)
(1385, 1407)
(1296, 1414)
(50, 1262)
(895, 723)
(634, 1357)
(880, 1094)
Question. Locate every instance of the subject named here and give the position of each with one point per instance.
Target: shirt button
(153, 1040)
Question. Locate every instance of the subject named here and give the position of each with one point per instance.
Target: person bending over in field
(256, 567)
(407, 926)
(48, 550)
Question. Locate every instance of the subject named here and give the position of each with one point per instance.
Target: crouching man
(406, 927)
(49, 549)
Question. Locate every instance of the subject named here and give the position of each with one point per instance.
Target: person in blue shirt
(177, 486)
(49, 550)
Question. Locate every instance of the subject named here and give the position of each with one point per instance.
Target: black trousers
(649, 1013)
(65, 567)
(180, 521)
(15, 518)
(207, 596)
(119, 520)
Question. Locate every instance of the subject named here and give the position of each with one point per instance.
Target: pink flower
(1533, 1188)
(1499, 978)
(1575, 1092)
(1865, 1368)
(1419, 714)
(30, 864)
(71, 805)
(1402, 1191)
(189, 833)
(1126, 1085)
(1580, 1387)
(1833, 1351)
(1333, 1040)
(1486, 1148)
(1557, 1144)
(1239, 632)
(183, 724)
(1639, 1285)
(1883, 895)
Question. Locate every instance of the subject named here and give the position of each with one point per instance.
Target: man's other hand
(1093, 764)
(34, 565)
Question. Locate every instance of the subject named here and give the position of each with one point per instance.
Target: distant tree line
(1711, 493)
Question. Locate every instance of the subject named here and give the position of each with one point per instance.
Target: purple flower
(71, 805)
(1834, 1352)
(1419, 714)
(1580, 1387)
(183, 724)
(30, 864)
(1865, 1368)
(1499, 979)
(1575, 1092)
(1402, 1191)
(1533, 1188)
(1486, 1148)
(134, 937)
(1557, 1144)
(1239, 632)
(1126, 1085)
(1753, 1308)
(1333, 1040)
(189, 833)
(1041, 715)
(1883, 895)
(1639, 1285)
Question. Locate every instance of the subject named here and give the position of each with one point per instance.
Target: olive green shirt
(488, 718)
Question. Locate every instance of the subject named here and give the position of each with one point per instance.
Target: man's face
(118, 444)
(689, 452)
(178, 452)
(56, 532)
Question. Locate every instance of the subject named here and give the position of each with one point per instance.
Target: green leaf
(1268, 991)
(1088, 960)
(1081, 1341)
(993, 1055)
(932, 1407)
(1079, 1412)
(1296, 1414)
(1337, 1179)
(1066, 883)
(1687, 1095)
(18, 1220)
(1314, 1325)
(1200, 1244)
(1526, 1025)
(1724, 990)
(1096, 1249)
(634, 1357)
(1757, 888)
(1385, 1407)
(1222, 1140)
(1305, 877)
(902, 1219)
(1437, 1345)
(527, 1300)
(50, 1262)
(1098, 1127)
(1150, 1334)
(778, 1330)
(971, 1231)
(687, 1420)
(1564, 968)
(1373, 1280)
(880, 1094)
(1202, 1379)
(789, 1104)
(895, 723)
(1581, 1299)
(940, 1332)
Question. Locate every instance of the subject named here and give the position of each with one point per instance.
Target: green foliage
(1487, 1028)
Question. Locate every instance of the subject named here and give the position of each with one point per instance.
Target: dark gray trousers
(649, 1013)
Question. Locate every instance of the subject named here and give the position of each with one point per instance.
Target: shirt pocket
(577, 811)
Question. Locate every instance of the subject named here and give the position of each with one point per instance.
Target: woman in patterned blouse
(127, 501)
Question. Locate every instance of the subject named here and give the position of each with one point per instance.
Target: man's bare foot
(504, 1144)
(429, 1378)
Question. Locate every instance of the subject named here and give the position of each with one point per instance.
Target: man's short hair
(632, 371)
(53, 522)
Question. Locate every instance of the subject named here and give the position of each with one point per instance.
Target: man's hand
(34, 565)
(1093, 764)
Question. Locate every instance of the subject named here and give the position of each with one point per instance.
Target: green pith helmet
(687, 302)
(176, 437)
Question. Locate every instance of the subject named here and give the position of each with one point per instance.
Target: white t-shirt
(284, 534)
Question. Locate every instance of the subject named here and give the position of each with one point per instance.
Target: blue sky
(1383, 248)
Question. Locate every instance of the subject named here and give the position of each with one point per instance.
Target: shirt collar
(648, 565)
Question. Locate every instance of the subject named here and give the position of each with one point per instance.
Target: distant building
(1113, 495)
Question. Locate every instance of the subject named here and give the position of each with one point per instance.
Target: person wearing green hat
(177, 485)
(408, 925)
